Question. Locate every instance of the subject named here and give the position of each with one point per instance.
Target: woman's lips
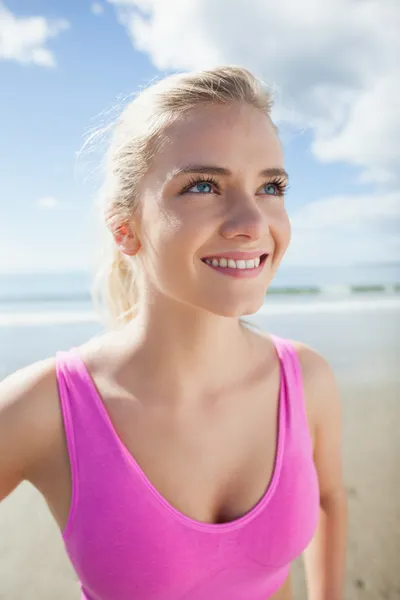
(239, 273)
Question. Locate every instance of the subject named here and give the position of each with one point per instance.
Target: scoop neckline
(185, 519)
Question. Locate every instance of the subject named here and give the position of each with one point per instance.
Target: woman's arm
(325, 558)
(30, 421)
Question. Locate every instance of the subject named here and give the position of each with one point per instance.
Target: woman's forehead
(208, 119)
(216, 135)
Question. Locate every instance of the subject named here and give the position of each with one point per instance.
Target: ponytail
(116, 288)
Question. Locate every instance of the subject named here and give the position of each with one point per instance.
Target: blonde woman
(184, 455)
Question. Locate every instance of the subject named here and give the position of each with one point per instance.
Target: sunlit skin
(182, 220)
(225, 204)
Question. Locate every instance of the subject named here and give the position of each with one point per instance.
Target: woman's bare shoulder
(317, 374)
(321, 392)
(30, 421)
(323, 402)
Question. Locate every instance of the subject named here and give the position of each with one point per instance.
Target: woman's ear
(126, 240)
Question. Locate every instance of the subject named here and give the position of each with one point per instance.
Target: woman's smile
(238, 265)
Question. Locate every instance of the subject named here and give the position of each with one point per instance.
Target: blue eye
(202, 187)
(275, 188)
(270, 189)
(208, 185)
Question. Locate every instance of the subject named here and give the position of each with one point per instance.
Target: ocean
(36, 291)
(350, 314)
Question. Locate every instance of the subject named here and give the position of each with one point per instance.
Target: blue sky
(62, 64)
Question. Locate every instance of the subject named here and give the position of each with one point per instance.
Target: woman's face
(214, 190)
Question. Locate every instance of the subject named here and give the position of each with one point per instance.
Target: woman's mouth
(237, 267)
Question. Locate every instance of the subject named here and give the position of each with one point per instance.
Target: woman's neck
(183, 349)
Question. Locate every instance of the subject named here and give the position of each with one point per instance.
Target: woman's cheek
(281, 232)
(287, 230)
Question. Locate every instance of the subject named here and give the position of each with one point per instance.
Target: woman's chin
(239, 309)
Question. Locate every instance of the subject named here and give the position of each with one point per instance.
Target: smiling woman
(183, 455)
(197, 173)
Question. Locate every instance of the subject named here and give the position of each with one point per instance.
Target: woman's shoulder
(310, 360)
(30, 418)
(321, 392)
(317, 373)
(318, 380)
(31, 423)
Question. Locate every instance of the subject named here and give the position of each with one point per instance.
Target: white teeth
(234, 264)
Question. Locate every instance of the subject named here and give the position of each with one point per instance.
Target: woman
(184, 455)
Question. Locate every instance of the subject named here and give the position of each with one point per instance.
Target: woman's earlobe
(132, 248)
(126, 240)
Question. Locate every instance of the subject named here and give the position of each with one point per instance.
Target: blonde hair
(137, 137)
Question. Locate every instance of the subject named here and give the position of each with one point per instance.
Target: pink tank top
(126, 542)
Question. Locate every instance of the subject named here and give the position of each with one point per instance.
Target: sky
(67, 66)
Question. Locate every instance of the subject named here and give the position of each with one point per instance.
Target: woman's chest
(182, 477)
(211, 465)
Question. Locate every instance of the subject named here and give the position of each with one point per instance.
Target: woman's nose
(245, 220)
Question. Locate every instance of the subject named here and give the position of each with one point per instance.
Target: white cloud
(24, 39)
(347, 229)
(333, 64)
(370, 137)
(48, 203)
(97, 8)
(353, 212)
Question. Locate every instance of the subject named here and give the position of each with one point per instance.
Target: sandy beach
(364, 350)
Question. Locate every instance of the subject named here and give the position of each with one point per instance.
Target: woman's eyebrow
(214, 170)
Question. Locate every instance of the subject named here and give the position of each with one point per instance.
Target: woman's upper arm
(29, 416)
(324, 407)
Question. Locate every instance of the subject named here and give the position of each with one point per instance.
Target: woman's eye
(270, 189)
(212, 187)
(202, 187)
